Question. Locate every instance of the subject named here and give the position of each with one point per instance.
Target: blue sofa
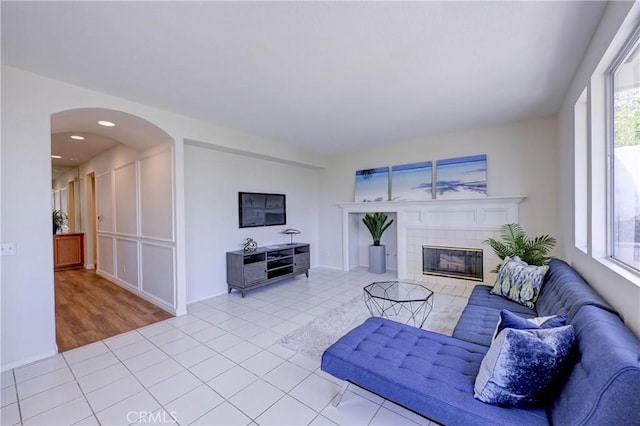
(433, 374)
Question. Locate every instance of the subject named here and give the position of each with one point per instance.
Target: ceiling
(74, 152)
(136, 133)
(327, 76)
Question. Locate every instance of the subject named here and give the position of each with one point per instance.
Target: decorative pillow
(521, 365)
(510, 320)
(519, 281)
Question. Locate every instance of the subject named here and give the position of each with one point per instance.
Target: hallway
(90, 308)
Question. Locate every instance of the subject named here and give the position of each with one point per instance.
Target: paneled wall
(136, 231)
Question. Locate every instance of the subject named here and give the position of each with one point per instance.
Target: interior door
(104, 202)
(105, 240)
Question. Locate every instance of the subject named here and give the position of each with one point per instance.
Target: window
(624, 156)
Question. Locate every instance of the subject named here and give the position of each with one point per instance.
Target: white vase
(377, 259)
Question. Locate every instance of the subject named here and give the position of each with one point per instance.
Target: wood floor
(90, 308)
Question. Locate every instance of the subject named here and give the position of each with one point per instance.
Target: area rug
(313, 338)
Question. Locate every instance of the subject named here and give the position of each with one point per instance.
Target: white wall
(620, 289)
(520, 161)
(28, 101)
(62, 180)
(213, 179)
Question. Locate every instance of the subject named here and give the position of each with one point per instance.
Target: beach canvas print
(412, 182)
(462, 177)
(372, 185)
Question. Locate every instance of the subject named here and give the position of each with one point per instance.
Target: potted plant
(377, 223)
(59, 219)
(516, 243)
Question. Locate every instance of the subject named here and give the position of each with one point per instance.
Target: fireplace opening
(454, 262)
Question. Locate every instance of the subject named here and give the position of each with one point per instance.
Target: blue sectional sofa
(434, 375)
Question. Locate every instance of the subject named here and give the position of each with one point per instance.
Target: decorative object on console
(291, 232)
(376, 223)
(372, 185)
(519, 281)
(462, 177)
(522, 365)
(412, 182)
(250, 245)
(516, 243)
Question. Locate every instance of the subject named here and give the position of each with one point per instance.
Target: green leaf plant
(375, 223)
(515, 242)
(59, 219)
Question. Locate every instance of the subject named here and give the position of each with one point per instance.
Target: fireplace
(454, 262)
(437, 222)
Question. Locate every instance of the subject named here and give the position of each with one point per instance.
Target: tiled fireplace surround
(463, 223)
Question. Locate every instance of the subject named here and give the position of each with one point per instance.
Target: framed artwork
(372, 185)
(412, 182)
(462, 177)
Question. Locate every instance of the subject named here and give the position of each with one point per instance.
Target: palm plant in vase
(59, 219)
(515, 242)
(377, 223)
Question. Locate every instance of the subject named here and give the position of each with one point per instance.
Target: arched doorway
(123, 178)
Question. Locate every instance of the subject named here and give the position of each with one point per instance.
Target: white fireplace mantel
(482, 213)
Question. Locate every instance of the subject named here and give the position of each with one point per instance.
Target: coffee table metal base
(396, 300)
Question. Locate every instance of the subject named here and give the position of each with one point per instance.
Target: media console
(249, 270)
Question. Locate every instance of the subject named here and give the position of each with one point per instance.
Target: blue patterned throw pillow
(519, 281)
(521, 365)
(510, 320)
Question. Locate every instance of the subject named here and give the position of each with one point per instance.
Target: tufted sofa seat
(434, 374)
(424, 371)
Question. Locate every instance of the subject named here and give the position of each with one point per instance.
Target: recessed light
(77, 137)
(56, 156)
(106, 123)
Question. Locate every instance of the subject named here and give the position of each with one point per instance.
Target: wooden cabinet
(68, 251)
(247, 270)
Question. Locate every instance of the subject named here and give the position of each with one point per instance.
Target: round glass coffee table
(405, 302)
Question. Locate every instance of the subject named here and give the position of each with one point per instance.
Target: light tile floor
(218, 365)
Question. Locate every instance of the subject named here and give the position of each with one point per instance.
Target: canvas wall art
(462, 177)
(372, 185)
(412, 182)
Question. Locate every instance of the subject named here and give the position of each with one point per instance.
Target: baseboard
(334, 268)
(148, 297)
(29, 360)
(200, 299)
(89, 266)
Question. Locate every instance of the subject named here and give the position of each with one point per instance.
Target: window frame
(630, 45)
(581, 176)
